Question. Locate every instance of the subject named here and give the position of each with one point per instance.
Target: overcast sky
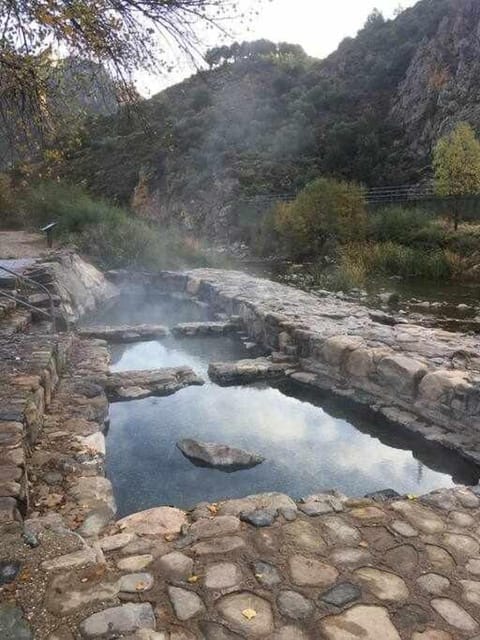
(317, 25)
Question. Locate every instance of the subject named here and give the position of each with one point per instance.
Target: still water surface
(311, 441)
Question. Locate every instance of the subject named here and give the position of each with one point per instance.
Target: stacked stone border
(424, 380)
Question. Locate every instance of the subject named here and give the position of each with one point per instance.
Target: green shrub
(402, 225)
(325, 210)
(70, 206)
(110, 235)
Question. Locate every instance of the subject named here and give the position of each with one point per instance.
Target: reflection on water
(306, 449)
(311, 441)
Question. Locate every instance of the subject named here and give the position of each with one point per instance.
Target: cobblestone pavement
(329, 568)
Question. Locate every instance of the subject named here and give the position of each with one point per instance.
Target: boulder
(245, 371)
(218, 456)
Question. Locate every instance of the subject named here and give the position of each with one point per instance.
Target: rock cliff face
(442, 83)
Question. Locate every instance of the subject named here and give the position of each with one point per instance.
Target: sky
(318, 25)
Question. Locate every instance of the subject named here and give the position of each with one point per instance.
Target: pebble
(259, 517)
(311, 572)
(454, 614)
(433, 583)
(175, 565)
(12, 624)
(9, 570)
(341, 594)
(223, 575)
(185, 603)
(266, 574)
(127, 618)
(135, 563)
(293, 605)
(135, 582)
(231, 608)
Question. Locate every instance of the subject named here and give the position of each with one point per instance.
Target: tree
(120, 35)
(456, 162)
(326, 210)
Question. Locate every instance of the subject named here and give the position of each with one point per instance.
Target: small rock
(135, 582)
(383, 585)
(96, 521)
(266, 574)
(223, 575)
(383, 495)
(12, 624)
(232, 606)
(135, 563)
(9, 570)
(368, 622)
(159, 521)
(218, 456)
(341, 594)
(404, 529)
(186, 604)
(454, 614)
(293, 605)
(127, 618)
(320, 504)
(117, 541)
(81, 558)
(311, 572)
(175, 565)
(259, 517)
(433, 583)
(215, 631)
(213, 527)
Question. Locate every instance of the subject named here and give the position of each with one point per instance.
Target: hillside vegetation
(269, 119)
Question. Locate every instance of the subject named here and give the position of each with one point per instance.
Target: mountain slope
(267, 119)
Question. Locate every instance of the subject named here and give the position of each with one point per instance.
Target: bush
(325, 210)
(110, 235)
(70, 206)
(403, 226)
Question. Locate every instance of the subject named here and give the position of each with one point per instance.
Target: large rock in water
(219, 456)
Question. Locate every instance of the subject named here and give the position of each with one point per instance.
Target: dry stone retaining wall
(423, 378)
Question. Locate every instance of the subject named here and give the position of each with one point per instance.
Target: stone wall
(424, 378)
(78, 284)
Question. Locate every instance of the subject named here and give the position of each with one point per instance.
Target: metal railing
(28, 305)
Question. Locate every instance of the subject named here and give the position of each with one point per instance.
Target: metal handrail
(27, 304)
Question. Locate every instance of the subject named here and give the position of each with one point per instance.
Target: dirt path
(21, 244)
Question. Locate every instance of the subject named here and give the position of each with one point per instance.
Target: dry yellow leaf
(411, 496)
(212, 508)
(140, 586)
(193, 579)
(169, 537)
(249, 613)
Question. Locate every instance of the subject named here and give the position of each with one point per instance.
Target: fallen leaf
(249, 613)
(411, 496)
(212, 508)
(169, 537)
(192, 579)
(140, 586)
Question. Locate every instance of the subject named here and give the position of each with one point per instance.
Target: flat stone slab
(154, 522)
(131, 385)
(245, 371)
(218, 456)
(127, 618)
(360, 622)
(201, 329)
(124, 333)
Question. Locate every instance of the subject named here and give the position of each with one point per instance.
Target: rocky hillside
(266, 119)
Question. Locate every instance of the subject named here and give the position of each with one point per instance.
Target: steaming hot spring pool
(311, 442)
